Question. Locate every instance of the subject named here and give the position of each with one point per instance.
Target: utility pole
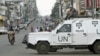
(8, 11)
(72, 3)
(59, 9)
(93, 8)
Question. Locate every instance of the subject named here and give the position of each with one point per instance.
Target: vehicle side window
(65, 28)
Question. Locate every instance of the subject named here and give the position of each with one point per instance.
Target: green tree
(55, 12)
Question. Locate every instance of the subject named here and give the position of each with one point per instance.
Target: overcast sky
(45, 6)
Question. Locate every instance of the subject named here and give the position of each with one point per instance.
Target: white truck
(3, 30)
(79, 34)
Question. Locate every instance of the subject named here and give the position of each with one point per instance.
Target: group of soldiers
(72, 12)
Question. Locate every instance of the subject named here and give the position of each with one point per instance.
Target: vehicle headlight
(25, 39)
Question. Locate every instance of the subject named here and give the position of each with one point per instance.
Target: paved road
(19, 49)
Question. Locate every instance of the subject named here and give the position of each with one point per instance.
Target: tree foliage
(55, 12)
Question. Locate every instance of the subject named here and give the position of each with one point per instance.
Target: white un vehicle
(79, 34)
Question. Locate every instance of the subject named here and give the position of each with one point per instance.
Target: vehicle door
(80, 32)
(63, 35)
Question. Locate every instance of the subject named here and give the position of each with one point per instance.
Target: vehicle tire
(43, 47)
(12, 42)
(90, 48)
(12, 39)
(96, 47)
(53, 50)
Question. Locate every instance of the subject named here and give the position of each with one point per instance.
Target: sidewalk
(22, 25)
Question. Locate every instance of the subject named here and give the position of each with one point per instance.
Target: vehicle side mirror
(57, 31)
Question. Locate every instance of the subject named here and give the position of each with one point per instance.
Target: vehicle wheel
(90, 47)
(12, 43)
(96, 47)
(12, 40)
(53, 50)
(42, 47)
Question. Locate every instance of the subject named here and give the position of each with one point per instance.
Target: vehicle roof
(77, 19)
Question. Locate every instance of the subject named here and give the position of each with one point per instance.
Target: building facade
(3, 8)
(30, 9)
(91, 6)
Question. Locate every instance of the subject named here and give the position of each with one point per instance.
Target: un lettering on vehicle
(62, 39)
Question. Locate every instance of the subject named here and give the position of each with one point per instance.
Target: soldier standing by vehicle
(71, 13)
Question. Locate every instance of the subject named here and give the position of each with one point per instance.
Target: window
(97, 13)
(65, 28)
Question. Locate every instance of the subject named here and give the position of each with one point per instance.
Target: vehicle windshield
(57, 26)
